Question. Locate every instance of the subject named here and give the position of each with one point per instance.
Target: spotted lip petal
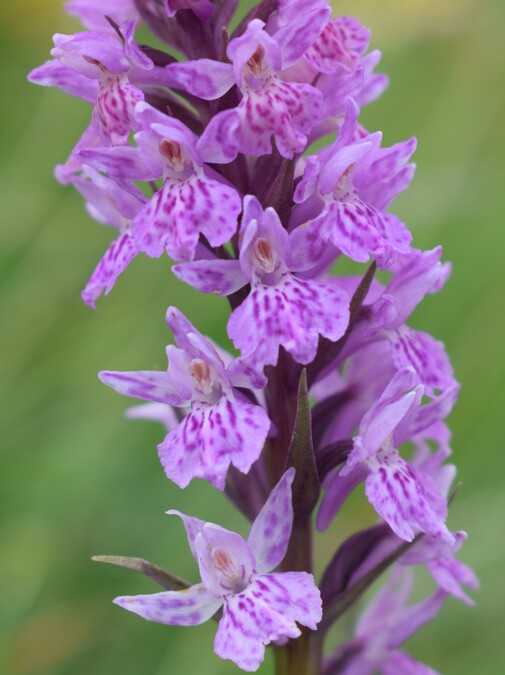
(115, 108)
(292, 313)
(356, 179)
(115, 260)
(396, 492)
(191, 201)
(288, 111)
(269, 609)
(411, 499)
(211, 438)
(343, 40)
(426, 355)
(177, 214)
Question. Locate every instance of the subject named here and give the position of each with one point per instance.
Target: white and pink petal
(115, 108)
(190, 607)
(269, 609)
(397, 493)
(451, 575)
(222, 277)
(148, 385)
(177, 214)
(115, 260)
(204, 78)
(211, 438)
(271, 530)
(293, 313)
(426, 355)
(55, 74)
(193, 527)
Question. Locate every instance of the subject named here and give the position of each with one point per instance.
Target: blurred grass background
(76, 479)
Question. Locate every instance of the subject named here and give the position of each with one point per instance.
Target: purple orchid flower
(296, 26)
(337, 59)
(92, 12)
(223, 426)
(281, 309)
(449, 573)
(405, 497)
(385, 625)
(436, 554)
(193, 199)
(112, 203)
(349, 185)
(385, 311)
(268, 107)
(342, 42)
(112, 68)
(258, 607)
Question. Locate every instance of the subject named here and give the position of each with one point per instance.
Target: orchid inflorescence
(248, 165)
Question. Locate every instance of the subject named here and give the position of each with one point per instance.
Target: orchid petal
(115, 260)
(190, 607)
(270, 532)
(222, 277)
(267, 610)
(396, 492)
(148, 385)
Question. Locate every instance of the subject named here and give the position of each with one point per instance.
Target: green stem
(304, 654)
(281, 399)
(301, 655)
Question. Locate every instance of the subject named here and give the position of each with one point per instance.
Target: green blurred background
(77, 479)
